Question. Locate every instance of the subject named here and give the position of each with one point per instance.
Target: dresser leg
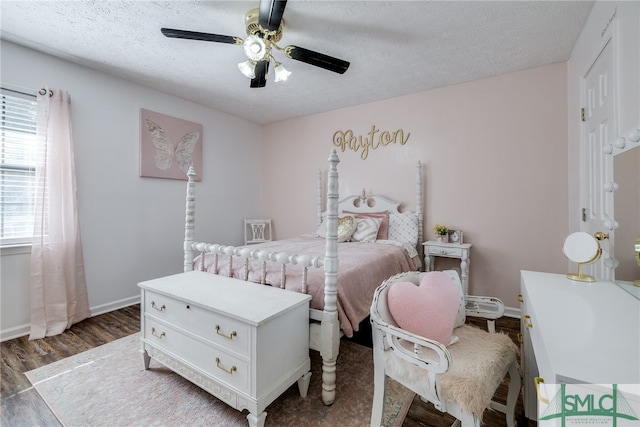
(146, 359)
(256, 421)
(303, 384)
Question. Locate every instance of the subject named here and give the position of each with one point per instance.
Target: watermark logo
(589, 405)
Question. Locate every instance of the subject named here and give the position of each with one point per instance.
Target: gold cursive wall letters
(374, 139)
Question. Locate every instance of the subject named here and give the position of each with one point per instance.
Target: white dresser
(242, 342)
(576, 332)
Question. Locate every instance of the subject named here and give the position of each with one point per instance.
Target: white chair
(257, 231)
(460, 379)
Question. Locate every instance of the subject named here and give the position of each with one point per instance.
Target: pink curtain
(58, 289)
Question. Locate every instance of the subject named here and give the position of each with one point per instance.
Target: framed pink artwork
(169, 146)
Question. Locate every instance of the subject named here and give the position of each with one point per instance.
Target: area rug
(108, 386)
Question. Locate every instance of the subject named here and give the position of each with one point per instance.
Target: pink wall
(494, 154)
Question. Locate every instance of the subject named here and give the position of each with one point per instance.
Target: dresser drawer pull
(162, 307)
(153, 332)
(527, 322)
(520, 298)
(228, 371)
(541, 398)
(519, 338)
(230, 336)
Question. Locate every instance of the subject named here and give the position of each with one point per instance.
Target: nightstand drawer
(442, 251)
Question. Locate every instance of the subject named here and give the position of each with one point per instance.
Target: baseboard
(115, 305)
(22, 330)
(15, 332)
(512, 312)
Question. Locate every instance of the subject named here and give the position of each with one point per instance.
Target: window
(19, 154)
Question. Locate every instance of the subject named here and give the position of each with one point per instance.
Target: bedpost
(330, 329)
(189, 219)
(419, 202)
(318, 199)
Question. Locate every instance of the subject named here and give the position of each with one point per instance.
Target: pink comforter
(362, 268)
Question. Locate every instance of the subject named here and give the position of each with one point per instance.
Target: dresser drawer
(440, 251)
(226, 367)
(229, 333)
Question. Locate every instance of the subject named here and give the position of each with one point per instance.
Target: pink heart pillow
(428, 310)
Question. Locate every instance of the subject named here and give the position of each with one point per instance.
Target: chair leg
(512, 396)
(379, 391)
(468, 420)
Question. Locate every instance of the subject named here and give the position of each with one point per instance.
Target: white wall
(132, 227)
(621, 21)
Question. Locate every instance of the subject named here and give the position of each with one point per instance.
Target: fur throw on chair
(473, 376)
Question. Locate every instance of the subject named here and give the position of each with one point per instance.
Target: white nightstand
(434, 249)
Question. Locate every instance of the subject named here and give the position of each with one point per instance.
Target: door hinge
(582, 115)
(584, 214)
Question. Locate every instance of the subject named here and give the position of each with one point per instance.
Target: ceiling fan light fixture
(264, 26)
(255, 48)
(248, 68)
(282, 73)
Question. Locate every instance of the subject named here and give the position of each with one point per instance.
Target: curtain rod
(44, 91)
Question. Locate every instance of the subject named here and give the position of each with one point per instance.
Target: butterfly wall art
(169, 146)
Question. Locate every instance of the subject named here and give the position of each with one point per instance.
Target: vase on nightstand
(442, 238)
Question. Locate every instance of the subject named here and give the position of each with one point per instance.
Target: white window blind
(19, 154)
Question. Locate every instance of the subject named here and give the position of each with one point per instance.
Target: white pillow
(366, 229)
(403, 227)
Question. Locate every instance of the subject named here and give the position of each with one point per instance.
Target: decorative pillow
(428, 310)
(383, 231)
(366, 229)
(346, 227)
(403, 227)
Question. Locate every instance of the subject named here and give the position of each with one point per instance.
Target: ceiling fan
(264, 27)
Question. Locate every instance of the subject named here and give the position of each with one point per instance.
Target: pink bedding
(362, 268)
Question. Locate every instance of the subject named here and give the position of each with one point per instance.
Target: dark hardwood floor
(23, 406)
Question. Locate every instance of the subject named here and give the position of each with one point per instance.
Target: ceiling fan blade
(207, 37)
(318, 59)
(271, 12)
(260, 80)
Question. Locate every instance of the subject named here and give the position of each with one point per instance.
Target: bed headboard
(367, 203)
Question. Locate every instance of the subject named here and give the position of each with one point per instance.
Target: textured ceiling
(395, 47)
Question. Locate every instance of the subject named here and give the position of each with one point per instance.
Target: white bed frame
(324, 332)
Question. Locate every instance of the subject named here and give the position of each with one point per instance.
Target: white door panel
(599, 130)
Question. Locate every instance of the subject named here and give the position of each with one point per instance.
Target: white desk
(433, 249)
(576, 332)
